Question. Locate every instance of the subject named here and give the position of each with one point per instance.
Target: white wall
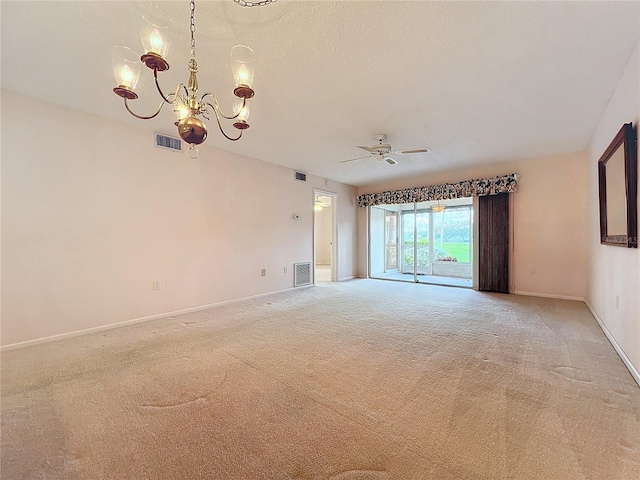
(92, 214)
(549, 224)
(615, 271)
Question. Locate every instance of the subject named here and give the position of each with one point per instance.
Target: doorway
(428, 242)
(325, 236)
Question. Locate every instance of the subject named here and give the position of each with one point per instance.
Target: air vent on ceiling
(301, 176)
(170, 143)
(301, 274)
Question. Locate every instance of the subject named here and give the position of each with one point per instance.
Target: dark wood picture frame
(622, 152)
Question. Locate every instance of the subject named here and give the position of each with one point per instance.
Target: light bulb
(244, 111)
(181, 109)
(244, 114)
(243, 75)
(126, 76)
(155, 41)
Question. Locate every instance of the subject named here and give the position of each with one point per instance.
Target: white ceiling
(478, 82)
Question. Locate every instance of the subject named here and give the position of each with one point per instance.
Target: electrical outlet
(617, 302)
(157, 285)
(532, 271)
(264, 272)
(285, 269)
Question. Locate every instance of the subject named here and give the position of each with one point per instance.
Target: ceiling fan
(321, 202)
(382, 151)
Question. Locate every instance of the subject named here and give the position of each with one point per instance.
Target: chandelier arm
(141, 117)
(216, 106)
(166, 98)
(222, 131)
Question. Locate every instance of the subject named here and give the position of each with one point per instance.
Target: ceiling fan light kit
(382, 151)
(186, 103)
(321, 204)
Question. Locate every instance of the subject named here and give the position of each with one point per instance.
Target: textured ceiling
(478, 82)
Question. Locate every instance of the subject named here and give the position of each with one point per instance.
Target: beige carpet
(359, 380)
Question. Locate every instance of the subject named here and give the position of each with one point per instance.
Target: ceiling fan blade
(354, 159)
(414, 150)
(368, 149)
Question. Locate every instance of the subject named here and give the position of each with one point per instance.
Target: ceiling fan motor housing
(383, 149)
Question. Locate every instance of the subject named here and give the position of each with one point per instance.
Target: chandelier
(438, 207)
(186, 103)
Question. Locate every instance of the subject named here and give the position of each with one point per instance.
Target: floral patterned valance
(468, 188)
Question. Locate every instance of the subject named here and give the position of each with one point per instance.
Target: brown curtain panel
(493, 243)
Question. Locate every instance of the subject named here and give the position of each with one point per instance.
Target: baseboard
(344, 279)
(549, 295)
(623, 356)
(111, 326)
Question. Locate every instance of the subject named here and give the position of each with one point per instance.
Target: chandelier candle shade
(186, 104)
(126, 68)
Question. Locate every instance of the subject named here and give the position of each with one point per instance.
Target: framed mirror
(618, 184)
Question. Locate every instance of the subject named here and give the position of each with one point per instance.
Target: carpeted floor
(358, 380)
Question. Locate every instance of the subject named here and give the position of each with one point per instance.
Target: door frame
(418, 208)
(334, 233)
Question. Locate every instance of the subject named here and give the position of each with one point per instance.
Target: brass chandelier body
(186, 103)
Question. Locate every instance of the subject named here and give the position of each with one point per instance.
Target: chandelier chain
(246, 3)
(192, 27)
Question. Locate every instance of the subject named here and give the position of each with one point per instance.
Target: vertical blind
(493, 243)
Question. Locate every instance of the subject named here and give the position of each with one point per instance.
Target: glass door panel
(450, 247)
(408, 257)
(423, 244)
(391, 240)
(383, 241)
(376, 242)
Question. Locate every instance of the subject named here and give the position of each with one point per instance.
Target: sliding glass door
(415, 243)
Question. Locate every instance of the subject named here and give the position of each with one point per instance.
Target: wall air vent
(301, 176)
(170, 143)
(301, 274)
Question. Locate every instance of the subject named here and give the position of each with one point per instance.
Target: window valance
(468, 188)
